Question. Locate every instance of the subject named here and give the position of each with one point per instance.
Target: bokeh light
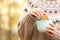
(10, 12)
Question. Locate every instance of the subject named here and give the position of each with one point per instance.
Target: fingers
(34, 14)
(52, 25)
(51, 28)
(51, 35)
(37, 12)
(41, 12)
(50, 31)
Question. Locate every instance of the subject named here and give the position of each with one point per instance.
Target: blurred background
(10, 11)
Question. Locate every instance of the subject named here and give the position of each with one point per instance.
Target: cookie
(45, 17)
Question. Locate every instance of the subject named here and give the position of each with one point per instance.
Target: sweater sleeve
(57, 35)
(25, 28)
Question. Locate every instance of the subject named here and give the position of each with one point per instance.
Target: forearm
(29, 22)
(26, 27)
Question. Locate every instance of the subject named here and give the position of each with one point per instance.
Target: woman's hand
(37, 12)
(50, 31)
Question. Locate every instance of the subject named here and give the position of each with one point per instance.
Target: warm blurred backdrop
(10, 11)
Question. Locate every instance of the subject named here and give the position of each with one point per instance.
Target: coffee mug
(42, 25)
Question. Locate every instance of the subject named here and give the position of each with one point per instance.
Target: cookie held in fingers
(45, 17)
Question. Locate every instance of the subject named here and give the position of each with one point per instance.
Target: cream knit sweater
(27, 30)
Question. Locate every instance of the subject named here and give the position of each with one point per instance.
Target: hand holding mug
(50, 30)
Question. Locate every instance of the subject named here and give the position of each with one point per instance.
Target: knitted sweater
(27, 30)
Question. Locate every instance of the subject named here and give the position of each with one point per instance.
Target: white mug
(42, 25)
